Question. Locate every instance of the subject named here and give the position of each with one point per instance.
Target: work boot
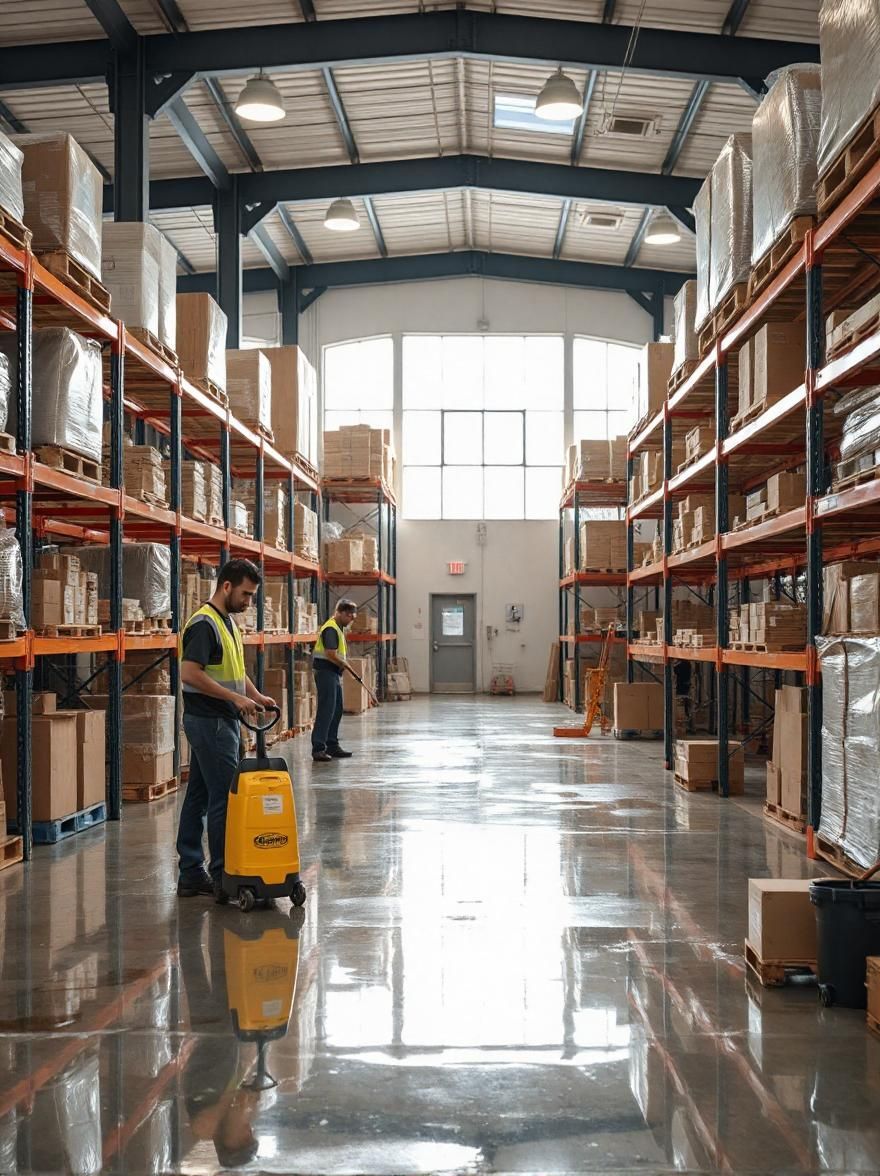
(321, 757)
(337, 752)
(220, 896)
(195, 885)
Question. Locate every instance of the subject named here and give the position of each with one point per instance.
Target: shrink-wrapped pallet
(785, 139)
(851, 745)
(146, 574)
(249, 386)
(10, 577)
(167, 293)
(849, 46)
(149, 722)
(5, 390)
(860, 410)
(11, 199)
(685, 340)
(201, 338)
(723, 216)
(130, 271)
(294, 403)
(68, 403)
(63, 197)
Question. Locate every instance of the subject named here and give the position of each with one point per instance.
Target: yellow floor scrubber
(262, 846)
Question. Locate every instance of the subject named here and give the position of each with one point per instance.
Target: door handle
(436, 646)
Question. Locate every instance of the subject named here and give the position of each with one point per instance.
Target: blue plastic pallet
(48, 832)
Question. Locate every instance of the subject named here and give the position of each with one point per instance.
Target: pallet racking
(381, 517)
(51, 503)
(832, 267)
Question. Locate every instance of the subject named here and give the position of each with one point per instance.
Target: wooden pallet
(214, 391)
(70, 631)
(857, 479)
(307, 468)
(77, 277)
(49, 832)
(688, 461)
(18, 233)
(776, 973)
(627, 735)
(155, 344)
(846, 341)
(731, 307)
(157, 625)
(145, 793)
(8, 630)
(11, 852)
(873, 1024)
(681, 375)
(835, 856)
(148, 498)
(705, 785)
(748, 414)
(779, 254)
(214, 521)
(133, 628)
(7, 443)
(763, 647)
(58, 458)
(850, 165)
(774, 812)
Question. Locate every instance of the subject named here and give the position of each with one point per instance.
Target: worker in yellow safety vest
(216, 693)
(328, 665)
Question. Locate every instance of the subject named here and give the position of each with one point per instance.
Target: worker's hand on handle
(266, 702)
(247, 706)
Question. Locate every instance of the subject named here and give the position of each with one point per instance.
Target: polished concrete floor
(518, 955)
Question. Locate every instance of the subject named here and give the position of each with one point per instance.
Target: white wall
(518, 564)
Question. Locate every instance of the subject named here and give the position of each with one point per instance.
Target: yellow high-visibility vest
(230, 671)
(319, 644)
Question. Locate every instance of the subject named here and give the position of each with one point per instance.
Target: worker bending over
(329, 663)
(216, 694)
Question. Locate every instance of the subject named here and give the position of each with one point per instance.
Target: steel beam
(735, 17)
(294, 234)
(288, 306)
(375, 226)
(172, 16)
(684, 217)
(12, 121)
(448, 265)
(164, 90)
(340, 114)
(260, 237)
(307, 8)
(197, 143)
(580, 127)
(228, 282)
(638, 237)
(685, 125)
(131, 135)
(560, 229)
(115, 24)
(230, 118)
(412, 36)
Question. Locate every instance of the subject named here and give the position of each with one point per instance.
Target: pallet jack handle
(359, 679)
(261, 731)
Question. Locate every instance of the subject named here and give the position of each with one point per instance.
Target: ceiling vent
(608, 222)
(633, 128)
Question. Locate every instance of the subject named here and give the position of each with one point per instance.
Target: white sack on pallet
(851, 745)
(130, 271)
(686, 342)
(68, 400)
(167, 293)
(849, 46)
(731, 231)
(11, 199)
(861, 426)
(6, 390)
(10, 577)
(146, 574)
(785, 139)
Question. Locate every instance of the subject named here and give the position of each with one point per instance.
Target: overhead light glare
(662, 230)
(559, 99)
(341, 216)
(260, 101)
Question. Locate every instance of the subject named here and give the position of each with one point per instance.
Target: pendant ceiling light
(662, 230)
(559, 100)
(260, 101)
(341, 217)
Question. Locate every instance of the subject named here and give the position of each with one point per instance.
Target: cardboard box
(343, 555)
(745, 363)
(782, 920)
(785, 492)
(142, 766)
(774, 783)
(249, 386)
(91, 777)
(864, 604)
(638, 706)
(43, 702)
(294, 400)
(655, 368)
(838, 594)
(696, 762)
(779, 361)
(201, 338)
(53, 766)
(872, 983)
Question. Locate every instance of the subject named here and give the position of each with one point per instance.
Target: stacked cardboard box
(305, 531)
(306, 615)
(196, 588)
(638, 706)
(214, 491)
(782, 920)
(686, 345)
(851, 598)
(357, 451)
(193, 488)
(63, 594)
(294, 403)
(646, 622)
(249, 386)
(787, 771)
(141, 674)
(148, 732)
(655, 368)
(275, 588)
(596, 460)
(771, 365)
(54, 760)
(240, 518)
(143, 473)
(696, 764)
(773, 624)
(366, 621)
(695, 522)
(274, 510)
(131, 611)
(139, 268)
(355, 699)
(697, 441)
(343, 555)
(603, 545)
(201, 340)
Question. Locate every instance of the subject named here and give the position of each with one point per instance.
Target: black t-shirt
(202, 645)
(331, 641)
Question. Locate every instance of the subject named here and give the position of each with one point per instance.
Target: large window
(604, 377)
(359, 384)
(483, 432)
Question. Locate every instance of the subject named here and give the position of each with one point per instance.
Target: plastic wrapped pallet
(11, 199)
(130, 271)
(851, 745)
(686, 343)
(785, 139)
(731, 229)
(860, 409)
(294, 403)
(167, 293)
(249, 385)
(146, 573)
(10, 577)
(849, 46)
(68, 399)
(149, 722)
(5, 389)
(201, 338)
(63, 197)
(703, 234)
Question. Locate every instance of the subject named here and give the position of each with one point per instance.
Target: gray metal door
(453, 654)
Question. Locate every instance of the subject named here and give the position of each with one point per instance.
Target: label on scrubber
(272, 805)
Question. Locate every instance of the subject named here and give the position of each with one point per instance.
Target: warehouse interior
(509, 372)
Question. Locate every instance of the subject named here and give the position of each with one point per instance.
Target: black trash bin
(848, 930)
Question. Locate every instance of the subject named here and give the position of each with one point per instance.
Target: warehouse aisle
(517, 955)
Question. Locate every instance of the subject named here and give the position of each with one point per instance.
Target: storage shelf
(593, 579)
(603, 492)
(591, 639)
(357, 491)
(369, 638)
(650, 506)
(354, 579)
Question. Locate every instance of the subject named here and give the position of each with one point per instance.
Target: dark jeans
(325, 732)
(214, 756)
